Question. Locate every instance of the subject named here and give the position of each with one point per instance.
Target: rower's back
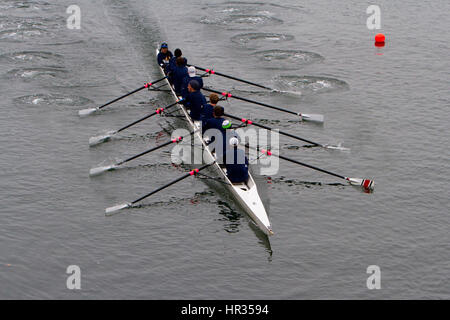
(178, 74)
(236, 165)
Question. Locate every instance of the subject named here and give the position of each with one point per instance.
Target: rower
(192, 76)
(173, 60)
(217, 127)
(164, 56)
(178, 74)
(236, 162)
(208, 109)
(216, 122)
(194, 100)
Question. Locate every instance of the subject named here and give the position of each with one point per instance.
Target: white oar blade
(100, 139)
(312, 117)
(99, 170)
(366, 184)
(338, 147)
(86, 112)
(114, 209)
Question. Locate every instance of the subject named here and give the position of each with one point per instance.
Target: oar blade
(112, 210)
(100, 139)
(336, 147)
(99, 170)
(317, 118)
(366, 184)
(87, 112)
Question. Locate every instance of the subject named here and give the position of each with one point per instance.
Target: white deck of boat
(246, 193)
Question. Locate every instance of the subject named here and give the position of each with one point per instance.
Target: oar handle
(190, 173)
(229, 95)
(211, 71)
(248, 121)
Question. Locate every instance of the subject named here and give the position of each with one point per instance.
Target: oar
(211, 71)
(119, 207)
(366, 184)
(303, 116)
(250, 122)
(102, 138)
(86, 112)
(99, 170)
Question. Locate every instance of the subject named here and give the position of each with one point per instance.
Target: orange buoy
(380, 38)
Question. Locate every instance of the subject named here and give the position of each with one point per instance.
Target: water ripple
(241, 20)
(22, 34)
(24, 5)
(52, 99)
(37, 73)
(314, 84)
(32, 56)
(281, 59)
(257, 39)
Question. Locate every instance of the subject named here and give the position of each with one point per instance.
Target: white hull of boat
(246, 194)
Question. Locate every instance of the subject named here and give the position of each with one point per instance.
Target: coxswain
(195, 100)
(164, 56)
(236, 162)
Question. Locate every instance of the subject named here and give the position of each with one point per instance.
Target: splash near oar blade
(99, 170)
(114, 209)
(86, 112)
(366, 184)
(318, 118)
(100, 139)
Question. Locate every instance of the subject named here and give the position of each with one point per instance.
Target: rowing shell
(246, 194)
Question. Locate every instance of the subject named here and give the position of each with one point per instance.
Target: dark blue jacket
(162, 56)
(237, 165)
(207, 113)
(216, 123)
(194, 101)
(177, 76)
(173, 63)
(184, 89)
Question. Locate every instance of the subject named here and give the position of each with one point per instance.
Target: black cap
(194, 84)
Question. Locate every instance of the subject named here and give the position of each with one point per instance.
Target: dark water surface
(389, 105)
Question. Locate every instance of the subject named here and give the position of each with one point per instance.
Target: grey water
(389, 105)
